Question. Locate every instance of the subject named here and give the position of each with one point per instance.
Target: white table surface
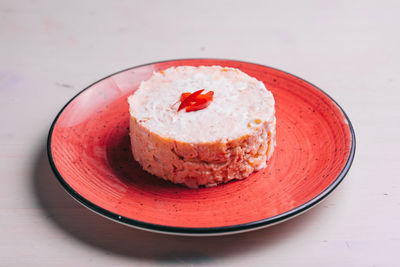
(50, 50)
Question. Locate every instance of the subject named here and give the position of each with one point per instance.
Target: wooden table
(50, 50)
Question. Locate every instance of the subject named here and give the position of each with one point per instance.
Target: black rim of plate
(207, 230)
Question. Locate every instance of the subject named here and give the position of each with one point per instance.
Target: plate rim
(196, 231)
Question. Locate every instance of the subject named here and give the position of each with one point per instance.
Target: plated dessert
(202, 126)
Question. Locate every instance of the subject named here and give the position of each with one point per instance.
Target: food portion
(202, 126)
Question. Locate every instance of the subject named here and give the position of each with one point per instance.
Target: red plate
(89, 151)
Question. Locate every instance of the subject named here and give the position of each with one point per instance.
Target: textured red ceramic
(89, 151)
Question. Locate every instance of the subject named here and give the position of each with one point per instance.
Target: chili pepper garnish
(188, 99)
(195, 101)
(184, 95)
(198, 105)
(209, 96)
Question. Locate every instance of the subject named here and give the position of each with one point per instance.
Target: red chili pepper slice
(209, 96)
(184, 95)
(198, 105)
(195, 101)
(190, 98)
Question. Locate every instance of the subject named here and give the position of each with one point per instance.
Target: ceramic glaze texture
(91, 151)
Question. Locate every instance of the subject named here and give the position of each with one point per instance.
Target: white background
(50, 50)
